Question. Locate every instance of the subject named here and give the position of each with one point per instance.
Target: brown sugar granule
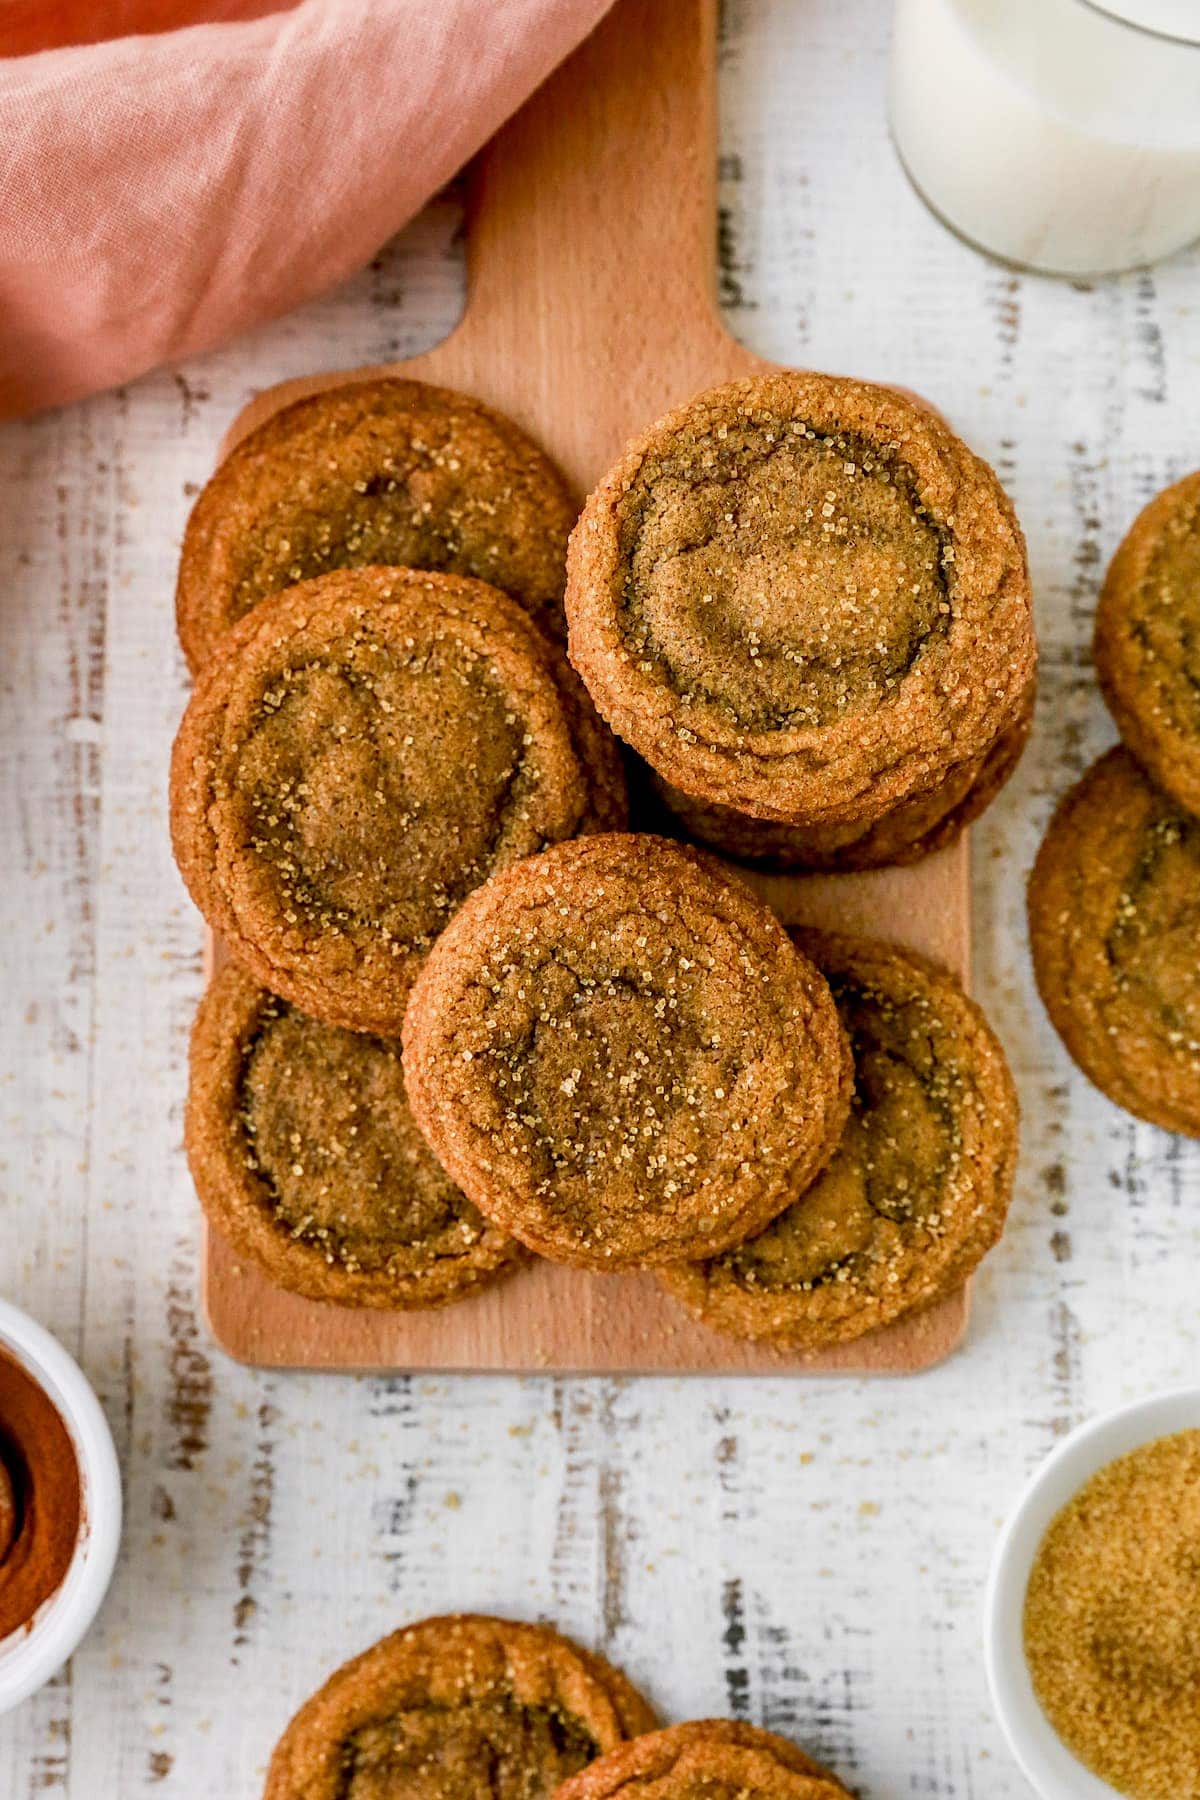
(1112, 1621)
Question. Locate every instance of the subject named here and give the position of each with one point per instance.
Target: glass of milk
(1061, 135)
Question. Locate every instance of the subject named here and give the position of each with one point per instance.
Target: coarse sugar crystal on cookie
(454, 1708)
(919, 1186)
(385, 471)
(368, 748)
(1147, 640)
(619, 1055)
(802, 597)
(306, 1159)
(719, 1759)
(1114, 925)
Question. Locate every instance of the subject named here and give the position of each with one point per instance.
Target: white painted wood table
(806, 1554)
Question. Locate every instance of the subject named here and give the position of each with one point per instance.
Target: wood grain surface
(590, 310)
(809, 1555)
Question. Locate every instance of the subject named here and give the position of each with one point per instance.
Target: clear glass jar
(1062, 135)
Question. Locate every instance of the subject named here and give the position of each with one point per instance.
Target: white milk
(1049, 132)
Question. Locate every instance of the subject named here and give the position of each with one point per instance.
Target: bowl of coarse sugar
(1092, 1615)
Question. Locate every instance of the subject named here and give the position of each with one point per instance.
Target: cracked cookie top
(916, 1191)
(460, 1708)
(802, 597)
(368, 748)
(374, 472)
(306, 1158)
(621, 1058)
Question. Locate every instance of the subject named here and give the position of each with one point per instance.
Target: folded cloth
(160, 192)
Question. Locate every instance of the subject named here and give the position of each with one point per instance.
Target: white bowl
(1044, 1758)
(29, 1657)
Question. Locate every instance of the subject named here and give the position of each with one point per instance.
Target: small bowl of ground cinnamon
(60, 1506)
(1092, 1615)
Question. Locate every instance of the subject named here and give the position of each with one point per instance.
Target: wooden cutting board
(590, 310)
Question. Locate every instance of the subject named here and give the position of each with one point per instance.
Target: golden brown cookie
(369, 747)
(707, 1759)
(1147, 644)
(1114, 924)
(802, 597)
(919, 1186)
(306, 1158)
(908, 833)
(620, 1057)
(385, 472)
(460, 1708)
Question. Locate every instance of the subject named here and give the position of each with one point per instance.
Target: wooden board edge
(911, 1346)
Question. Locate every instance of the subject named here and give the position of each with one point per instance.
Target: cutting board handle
(591, 246)
(596, 202)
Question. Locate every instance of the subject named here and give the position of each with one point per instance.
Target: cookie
(368, 748)
(804, 598)
(306, 1159)
(1114, 925)
(907, 834)
(457, 1709)
(719, 1759)
(1147, 643)
(617, 1053)
(919, 1186)
(384, 472)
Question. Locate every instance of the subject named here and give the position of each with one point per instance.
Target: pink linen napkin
(161, 191)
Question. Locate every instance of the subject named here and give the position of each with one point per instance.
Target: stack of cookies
(467, 1705)
(468, 1015)
(806, 604)
(1114, 898)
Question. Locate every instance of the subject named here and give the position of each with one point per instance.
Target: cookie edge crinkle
(907, 835)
